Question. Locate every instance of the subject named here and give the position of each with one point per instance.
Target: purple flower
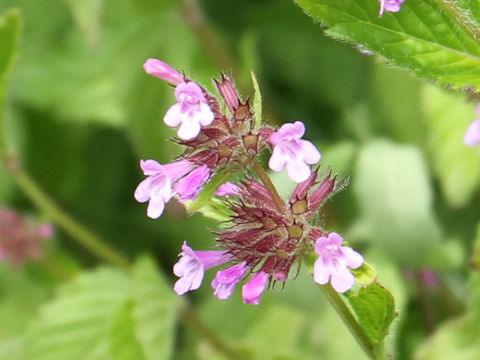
(225, 281)
(333, 262)
(188, 187)
(390, 6)
(191, 111)
(289, 149)
(192, 265)
(157, 187)
(252, 291)
(162, 71)
(472, 136)
(227, 189)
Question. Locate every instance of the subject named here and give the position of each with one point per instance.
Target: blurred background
(81, 113)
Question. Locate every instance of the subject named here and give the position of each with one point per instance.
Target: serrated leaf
(123, 342)
(155, 310)
(208, 191)
(257, 101)
(9, 30)
(76, 324)
(433, 38)
(374, 307)
(365, 274)
(456, 165)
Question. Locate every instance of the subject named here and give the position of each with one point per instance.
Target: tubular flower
(192, 265)
(252, 291)
(333, 262)
(225, 281)
(188, 187)
(192, 111)
(390, 6)
(157, 187)
(162, 71)
(227, 189)
(472, 135)
(290, 150)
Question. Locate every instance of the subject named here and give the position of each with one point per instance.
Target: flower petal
(352, 258)
(321, 273)
(205, 115)
(277, 161)
(298, 171)
(310, 153)
(342, 280)
(174, 115)
(189, 129)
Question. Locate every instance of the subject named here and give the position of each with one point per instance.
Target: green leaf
(458, 339)
(455, 164)
(257, 101)
(208, 191)
(436, 39)
(155, 310)
(76, 324)
(374, 307)
(217, 210)
(395, 200)
(9, 30)
(123, 342)
(365, 274)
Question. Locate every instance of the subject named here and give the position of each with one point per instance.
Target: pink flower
(157, 187)
(192, 265)
(227, 189)
(225, 281)
(162, 71)
(333, 262)
(472, 136)
(252, 291)
(192, 111)
(289, 149)
(390, 6)
(188, 187)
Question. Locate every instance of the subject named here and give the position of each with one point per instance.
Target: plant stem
(76, 230)
(348, 319)
(211, 336)
(269, 185)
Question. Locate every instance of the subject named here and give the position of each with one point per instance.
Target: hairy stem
(462, 18)
(269, 185)
(349, 320)
(188, 314)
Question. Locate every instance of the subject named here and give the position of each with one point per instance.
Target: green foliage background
(81, 113)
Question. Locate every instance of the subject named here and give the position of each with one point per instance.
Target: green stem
(269, 185)
(76, 230)
(349, 320)
(206, 332)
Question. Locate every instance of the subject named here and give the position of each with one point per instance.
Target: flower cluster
(266, 235)
(20, 238)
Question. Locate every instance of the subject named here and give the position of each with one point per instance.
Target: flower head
(333, 262)
(157, 187)
(192, 265)
(390, 6)
(290, 150)
(225, 281)
(472, 136)
(252, 291)
(191, 112)
(162, 71)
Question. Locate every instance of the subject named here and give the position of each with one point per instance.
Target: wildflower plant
(263, 238)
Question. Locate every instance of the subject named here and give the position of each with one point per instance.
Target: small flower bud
(229, 93)
(162, 71)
